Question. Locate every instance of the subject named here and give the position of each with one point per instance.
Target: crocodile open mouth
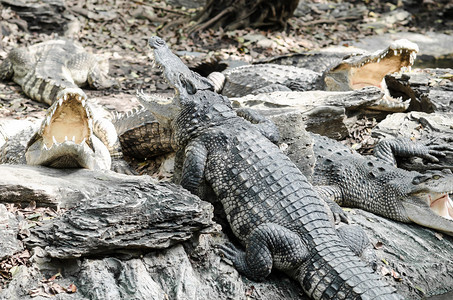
(442, 205)
(370, 70)
(68, 121)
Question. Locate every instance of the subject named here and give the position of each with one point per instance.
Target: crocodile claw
(339, 215)
(230, 251)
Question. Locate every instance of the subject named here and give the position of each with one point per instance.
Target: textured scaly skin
(269, 204)
(46, 69)
(378, 186)
(141, 136)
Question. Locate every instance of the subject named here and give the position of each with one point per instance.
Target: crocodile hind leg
(269, 245)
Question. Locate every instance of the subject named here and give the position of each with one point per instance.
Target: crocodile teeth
(90, 124)
(65, 97)
(66, 138)
(54, 140)
(45, 147)
(48, 120)
(73, 138)
(60, 101)
(83, 103)
(83, 141)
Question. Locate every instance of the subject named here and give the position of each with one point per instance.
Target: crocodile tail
(6, 70)
(334, 272)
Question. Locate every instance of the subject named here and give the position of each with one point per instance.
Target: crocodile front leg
(386, 150)
(333, 198)
(265, 126)
(192, 177)
(269, 245)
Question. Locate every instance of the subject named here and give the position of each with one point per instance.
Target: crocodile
(340, 71)
(71, 135)
(45, 69)
(270, 206)
(377, 185)
(140, 135)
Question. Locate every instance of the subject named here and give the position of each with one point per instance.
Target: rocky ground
(118, 29)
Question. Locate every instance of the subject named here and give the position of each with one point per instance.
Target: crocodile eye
(419, 179)
(187, 84)
(436, 177)
(160, 42)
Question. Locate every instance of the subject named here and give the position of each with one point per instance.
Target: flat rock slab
(323, 112)
(305, 101)
(421, 257)
(435, 128)
(109, 210)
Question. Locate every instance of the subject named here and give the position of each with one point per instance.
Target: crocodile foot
(237, 257)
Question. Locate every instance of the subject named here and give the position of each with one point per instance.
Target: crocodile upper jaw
(359, 71)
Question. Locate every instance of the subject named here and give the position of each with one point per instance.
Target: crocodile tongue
(443, 206)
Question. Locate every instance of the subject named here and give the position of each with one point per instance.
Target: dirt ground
(119, 29)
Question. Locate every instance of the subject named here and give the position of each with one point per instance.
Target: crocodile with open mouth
(376, 185)
(70, 136)
(270, 206)
(330, 71)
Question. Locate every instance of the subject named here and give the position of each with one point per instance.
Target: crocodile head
(65, 138)
(428, 202)
(178, 76)
(360, 71)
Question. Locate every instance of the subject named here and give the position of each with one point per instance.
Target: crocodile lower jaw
(66, 155)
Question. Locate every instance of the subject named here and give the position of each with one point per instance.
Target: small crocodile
(46, 69)
(340, 71)
(70, 136)
(270, 206)
(375, 184)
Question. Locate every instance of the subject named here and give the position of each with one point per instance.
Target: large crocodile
(269, 204)
(375, 184)
(71, 135)
(340, 71)
(44, 70)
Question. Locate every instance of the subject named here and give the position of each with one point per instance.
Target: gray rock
(435, 129)
(323, 112)
(9, 228)
(41, 15)
(420, 256)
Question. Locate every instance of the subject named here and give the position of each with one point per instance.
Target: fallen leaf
(378, 245)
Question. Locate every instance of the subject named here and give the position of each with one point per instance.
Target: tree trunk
(236, 14)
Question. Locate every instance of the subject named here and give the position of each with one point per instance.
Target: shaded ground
(119, 29)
